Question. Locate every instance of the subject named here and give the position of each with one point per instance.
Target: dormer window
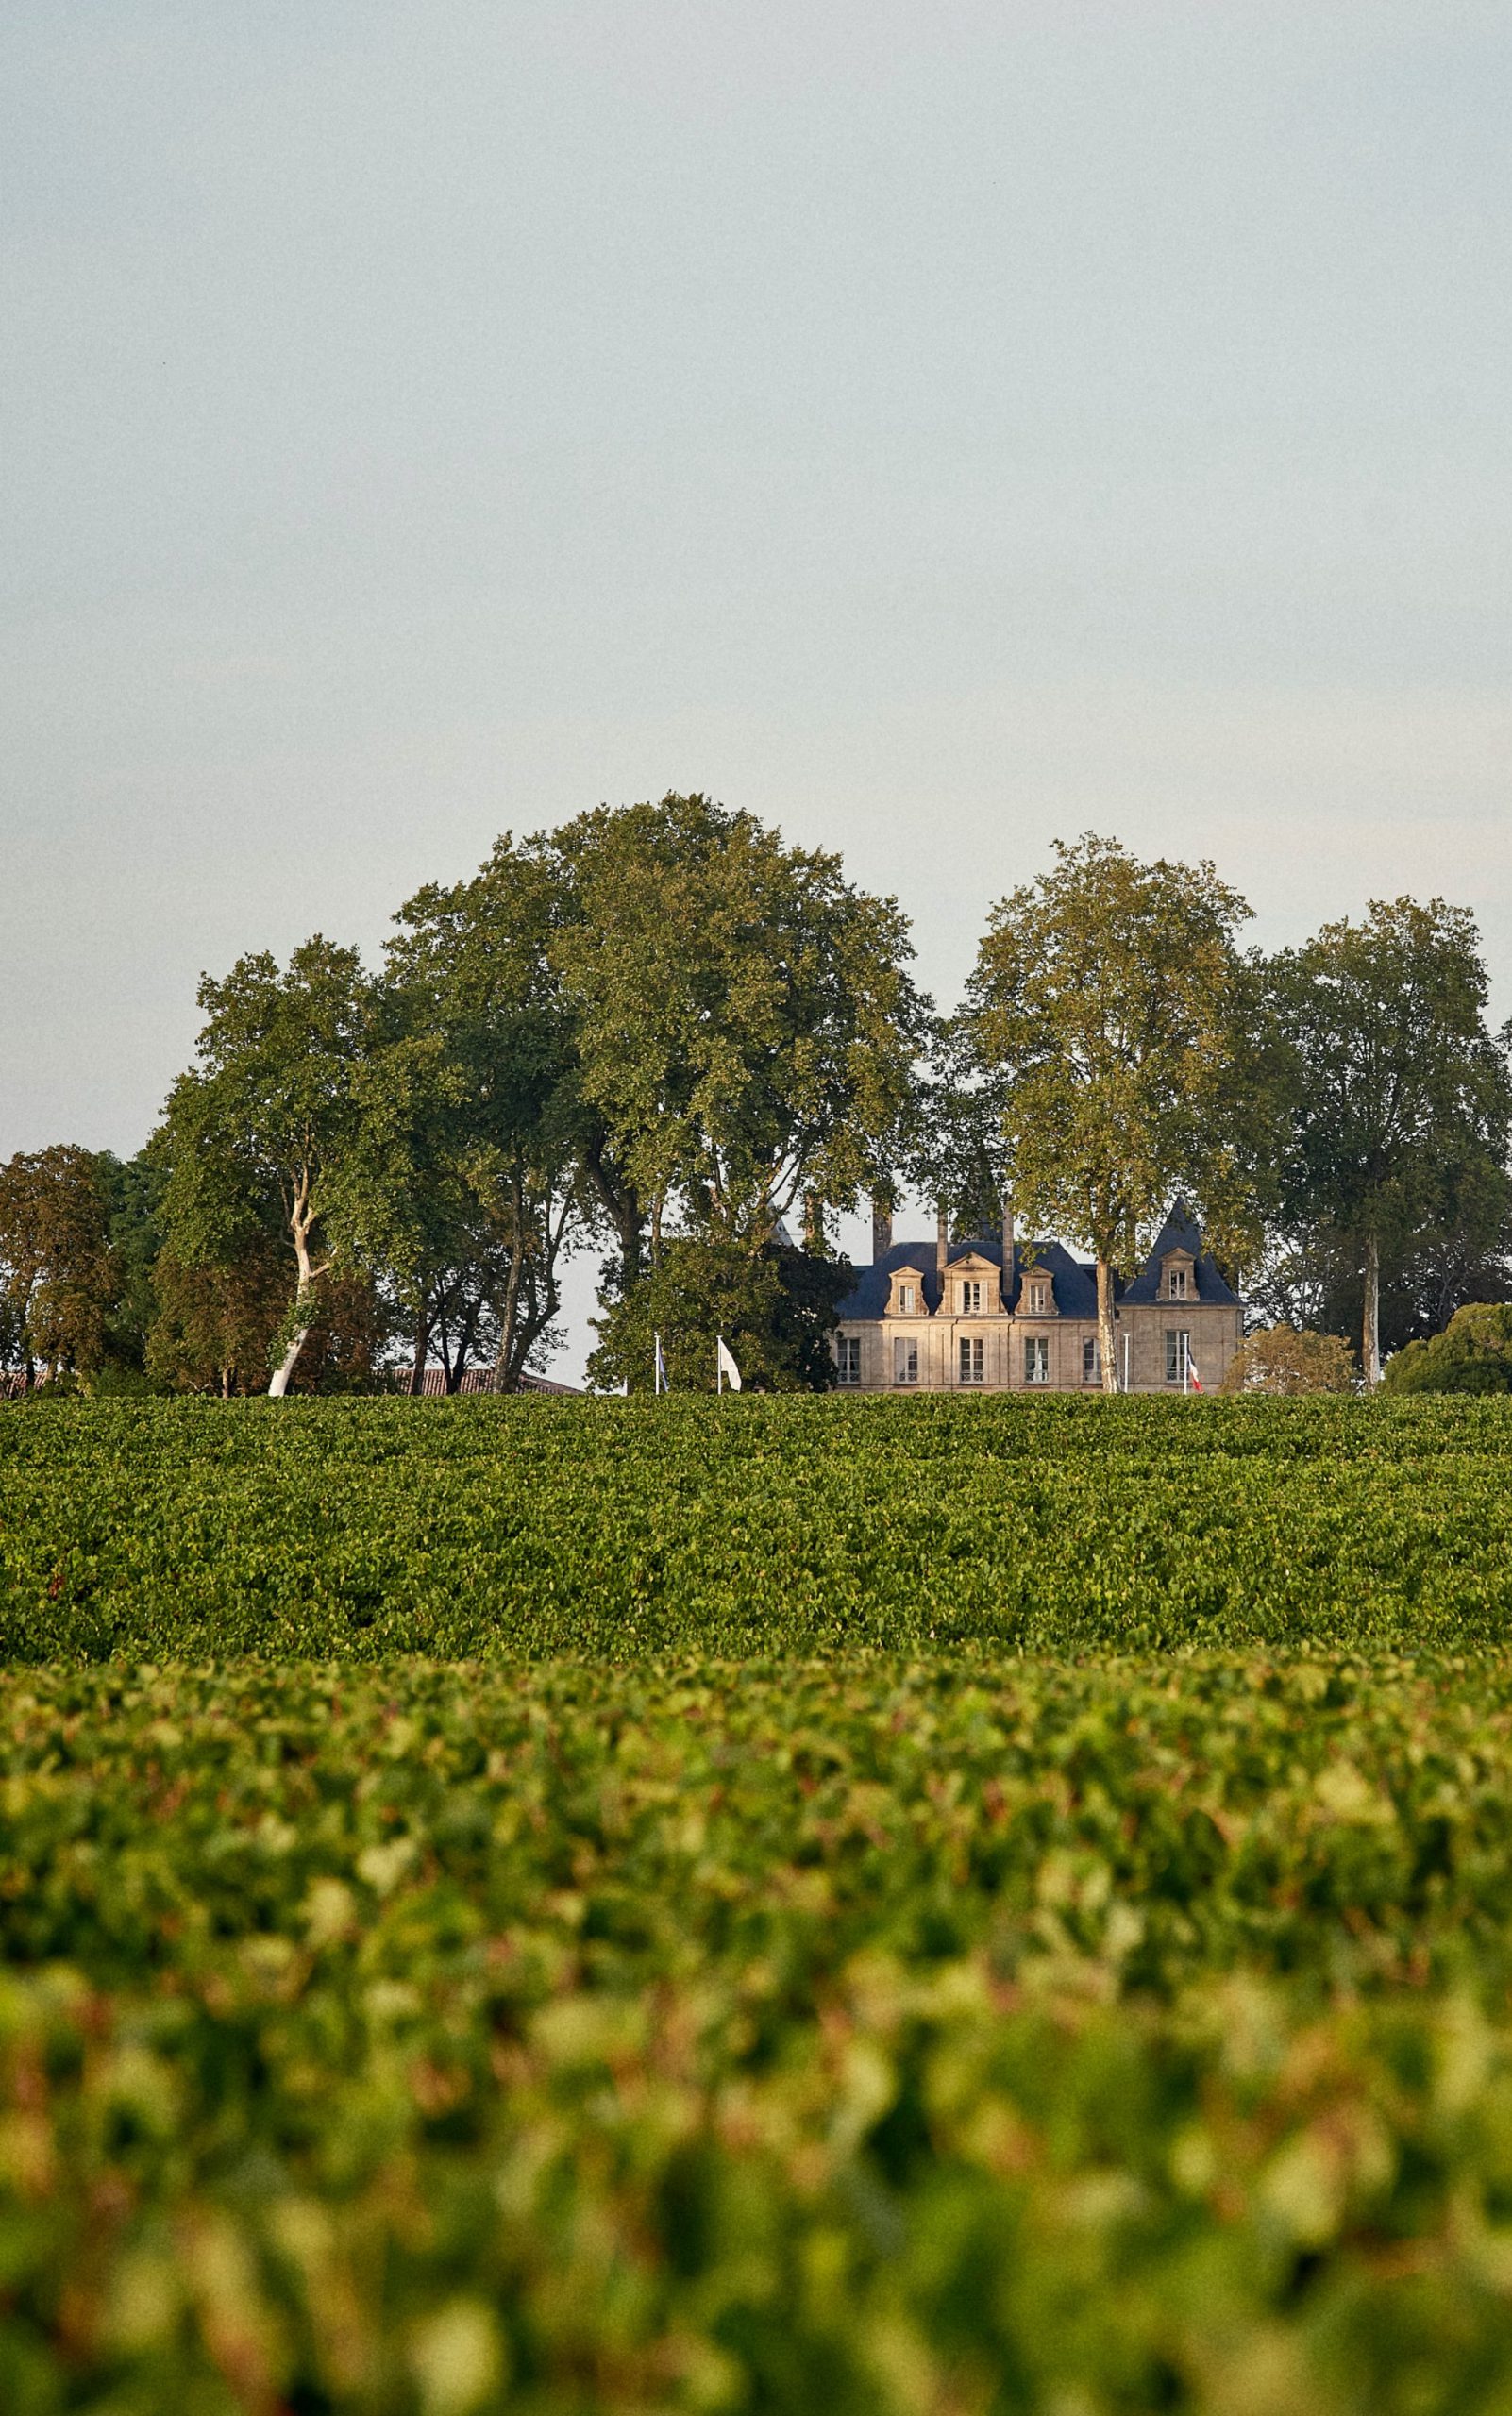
(1178, 1284)
(971, 1300)
(907, 1299)
(1036, 1299)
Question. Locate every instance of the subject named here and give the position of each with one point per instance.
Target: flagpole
(719, 1365)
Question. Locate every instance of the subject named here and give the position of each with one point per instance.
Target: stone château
(992, 1314)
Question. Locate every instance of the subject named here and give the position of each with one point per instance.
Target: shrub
(1288, 1359)
(1473, 1354)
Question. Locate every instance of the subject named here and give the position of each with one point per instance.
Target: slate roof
(1181, 1230)
(1076, 1287)
(1076, 1283)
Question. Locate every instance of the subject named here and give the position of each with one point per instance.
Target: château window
(1177, 1282)
(848, 1355)
(1092, 1361)
(905, 1363)
(971, 1362)
(1035, 1295)
(971, 1300)
(907, 1299)
(1178, 1353)
(1037, 1360)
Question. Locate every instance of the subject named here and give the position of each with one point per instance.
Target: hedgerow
(873, 2036)
(482, 1529)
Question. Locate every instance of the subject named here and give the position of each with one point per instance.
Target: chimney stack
(1008, 1246)
(941, 1244)
(881, 1226)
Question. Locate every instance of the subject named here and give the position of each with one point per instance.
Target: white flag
(659, 1381)
(726, 1371)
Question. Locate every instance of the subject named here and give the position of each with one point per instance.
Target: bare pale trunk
(304, 1309)
(1370, 1334)
(1107, 1337)
(287, 1365)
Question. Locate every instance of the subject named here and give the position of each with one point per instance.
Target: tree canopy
(261, 1136)
(1401, 1099)
(473, 1182)
(665, 1031)
(1105, 1014)
(1473, 1354)
(746, 1025)
(59, 1279)
(776, 1309)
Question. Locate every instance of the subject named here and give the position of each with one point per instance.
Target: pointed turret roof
(1181, 1230)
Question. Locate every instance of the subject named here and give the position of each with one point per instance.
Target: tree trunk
(631, 1225)
(287, 1365)
(625, 1211)
(442, 1330)
(463, 1349)
(504, 1371)
(531, 1307)
(304, 1308)
(422, 1352)
(1107, 1336)
(1370, 1334)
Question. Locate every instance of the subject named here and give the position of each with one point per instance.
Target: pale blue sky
(934, 427)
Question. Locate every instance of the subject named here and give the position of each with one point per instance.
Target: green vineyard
(767, 2037)
(897, 1909)
(479, 1529)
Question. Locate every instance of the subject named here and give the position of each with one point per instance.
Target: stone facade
(940, 1316)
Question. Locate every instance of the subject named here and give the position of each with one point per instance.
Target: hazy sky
(936, 427)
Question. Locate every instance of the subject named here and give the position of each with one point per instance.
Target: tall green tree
(957, 1153)
(214, 1322)
(1458, 1252)
(132, 1188)
(776, 1309)
(59, 1277)
(1106, 1009)
(1461, 1253)
(746, 1023)
(261, 1136)
(476, 1143)
(1401, 1097)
